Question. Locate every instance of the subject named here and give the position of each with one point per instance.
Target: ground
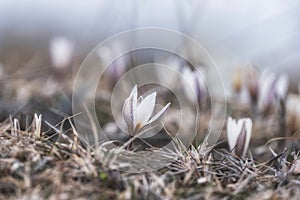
(36, 166)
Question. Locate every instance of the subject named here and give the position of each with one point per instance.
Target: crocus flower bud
(195, 90)
(238, 135)
(61, 52)
(237, 81)
(267, 95)
(272, 88)
(252, 83)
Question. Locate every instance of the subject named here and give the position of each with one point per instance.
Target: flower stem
(282, 125)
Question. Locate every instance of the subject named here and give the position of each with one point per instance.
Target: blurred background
(264, 33)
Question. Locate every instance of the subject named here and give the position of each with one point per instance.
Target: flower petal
(239, 135)
(126, 114)
(61, 52)
(145, 109)
(189, 84)
(133, 104)
(241, 141)
(130, 109)
(248, 123)
(231, 133)
(159, 114)
(200, 86)
(282, 85)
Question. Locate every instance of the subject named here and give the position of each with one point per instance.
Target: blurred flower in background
(293, 113)
(171, 78)
(114, 64)
(195, 90)
(272, 89)
(61, 52)
(252, 83)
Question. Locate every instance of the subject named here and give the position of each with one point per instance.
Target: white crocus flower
(61, 52)
(195, 90)
(239, 134)
(137, 111)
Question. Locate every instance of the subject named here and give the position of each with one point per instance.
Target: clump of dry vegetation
(34, 165)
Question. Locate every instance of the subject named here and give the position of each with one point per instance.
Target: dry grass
(40, 167)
